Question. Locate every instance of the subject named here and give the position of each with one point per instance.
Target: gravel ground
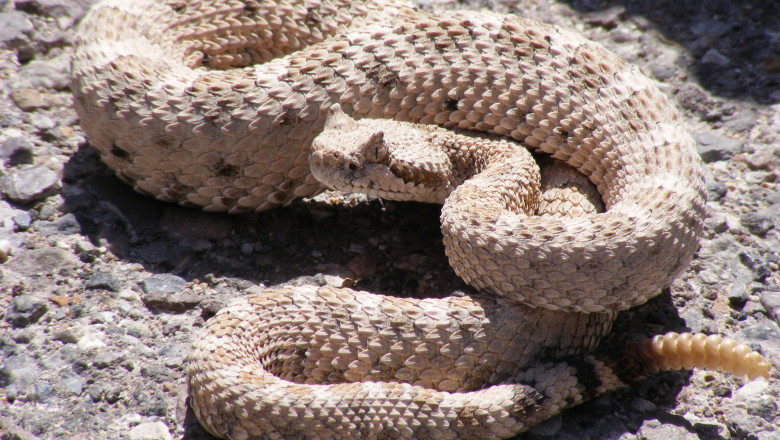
(104, 288)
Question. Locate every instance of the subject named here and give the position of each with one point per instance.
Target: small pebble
(25, 310)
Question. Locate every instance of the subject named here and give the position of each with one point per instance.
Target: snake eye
(375, 149)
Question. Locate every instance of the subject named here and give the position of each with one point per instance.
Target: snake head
(383, 158)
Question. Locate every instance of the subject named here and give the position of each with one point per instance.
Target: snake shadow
(739, 38)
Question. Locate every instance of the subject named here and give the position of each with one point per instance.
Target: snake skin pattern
(216, 104)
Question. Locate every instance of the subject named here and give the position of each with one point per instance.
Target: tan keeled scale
(217, 103)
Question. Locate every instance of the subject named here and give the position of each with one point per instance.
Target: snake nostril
(353, 166)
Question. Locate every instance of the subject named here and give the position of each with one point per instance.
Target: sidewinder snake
(216, 104)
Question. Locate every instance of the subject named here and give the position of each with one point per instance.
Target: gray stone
(716, 190)
(103, 280)
(742, 121)
(55, 8)
(741, 425)
(770, 299)
(20, 371)
(66, 354)
(155, 405)
(713, 147)
(663, 72)
(14, 27)
(762, 159)
(136, 329)
(95, 392)
(150, 431)
(156, 372)
(16, 151)
(106, 359)
(716, 223)
(712, 56)
(41, 392)
(166, 283)
(23, 336)
(74, 384)
(25, 310)
(38, 262)
(711, 28)
(23, 221)
(48, 74)
(68, 224)
(41, 121)
(113, 393)
(692, 97)
(758, 223)
(28, 184)
(65, 335)
(757, 264)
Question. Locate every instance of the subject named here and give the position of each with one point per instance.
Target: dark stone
(23, 221)
(25, 310)
(95, 392)
(68, 224)
(716, 190)
(103, 280)
(738, 295)
(753, 261)
(113, 393)
(156, 372)
(154, 405)
(166, 283)
(14, 27)
(713, 147)
(758, 223)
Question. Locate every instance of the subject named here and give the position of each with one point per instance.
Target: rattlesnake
(216, 103)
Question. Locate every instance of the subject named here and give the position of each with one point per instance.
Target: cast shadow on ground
(740, 35)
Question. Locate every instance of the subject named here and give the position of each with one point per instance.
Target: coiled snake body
(216, 103)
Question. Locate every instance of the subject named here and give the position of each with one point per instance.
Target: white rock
(754, 388)
(91, 341)
(150, 431)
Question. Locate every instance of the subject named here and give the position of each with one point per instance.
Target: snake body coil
(216, 103)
